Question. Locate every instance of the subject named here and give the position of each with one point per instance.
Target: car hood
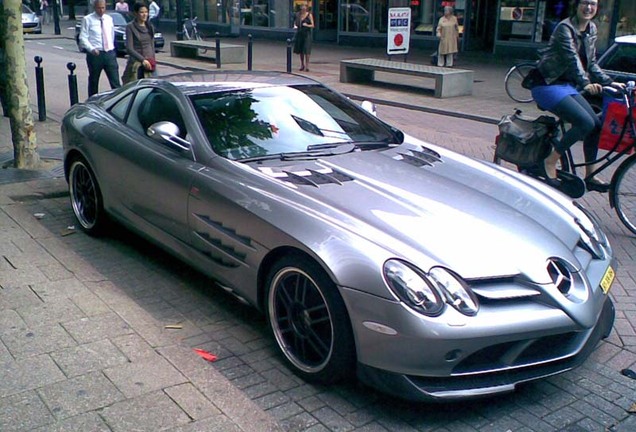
(435, 207)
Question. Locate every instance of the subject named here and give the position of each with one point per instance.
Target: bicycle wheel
(623, 193)
(513, 81)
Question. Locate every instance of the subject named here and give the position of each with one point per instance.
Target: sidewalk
(97, 334)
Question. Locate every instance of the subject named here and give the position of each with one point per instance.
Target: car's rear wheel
(310, 321)
(86, 197)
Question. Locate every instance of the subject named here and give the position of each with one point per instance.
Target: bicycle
(190, 30)
(622, 189)
(514, 78)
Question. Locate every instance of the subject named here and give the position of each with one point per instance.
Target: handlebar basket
(523, 141)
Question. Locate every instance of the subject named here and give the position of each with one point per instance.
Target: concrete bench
(195, 48)
(448, 82)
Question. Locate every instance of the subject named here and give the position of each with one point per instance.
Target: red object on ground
(205, 355)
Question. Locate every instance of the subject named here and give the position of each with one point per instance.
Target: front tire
(86, 198)
(309, 321)
(623, 193)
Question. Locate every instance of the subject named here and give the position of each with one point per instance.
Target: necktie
(104, 35)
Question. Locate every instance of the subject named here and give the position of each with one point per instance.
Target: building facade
(497, 26)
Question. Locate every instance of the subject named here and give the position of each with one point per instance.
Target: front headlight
(427, 293)
(158, 35)
(413, 288)
(456, 292)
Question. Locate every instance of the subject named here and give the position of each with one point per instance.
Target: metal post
(39, 82)
(289, 55)
(249, 52)
(72, 83)
(179, 13)
(217, 55)
(56, 17)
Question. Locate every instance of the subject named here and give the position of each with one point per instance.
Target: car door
(150, 180)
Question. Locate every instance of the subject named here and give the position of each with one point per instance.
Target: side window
(152, 107)
(120, 109)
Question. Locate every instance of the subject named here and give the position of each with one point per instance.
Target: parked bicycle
(190, 30)
(525, 142)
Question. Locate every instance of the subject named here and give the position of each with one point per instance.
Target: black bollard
(56, 17)
(249, 52)
(39, 83)
(72, 83)
(289, 55)
(218, 50)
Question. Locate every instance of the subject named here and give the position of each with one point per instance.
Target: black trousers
(105, 61)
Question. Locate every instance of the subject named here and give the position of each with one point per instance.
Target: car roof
(191, 83)
(628, 39)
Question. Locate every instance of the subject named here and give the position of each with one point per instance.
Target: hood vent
(310, 177)
(422, 157)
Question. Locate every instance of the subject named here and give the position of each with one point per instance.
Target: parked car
(619, 61)
(429, 274)
(120, 21)
(30, 21)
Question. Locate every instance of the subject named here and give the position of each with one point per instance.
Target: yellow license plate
(607, 280)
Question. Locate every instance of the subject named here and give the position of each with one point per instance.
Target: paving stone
(312, 403)
(298, 423)
(281, 380)
(254, 380)
(26, 341)
(219, 423)
(51, 311)
(260, 390)
(134, 347)
(97, 327)
(332, 420)
(89, 357)
(146, 376)
(16, 377)
(79, 395)
(23, 412)
(285, 411)
(13, 296)
(55, 271)
(272, 400)
(149, 412)
(192, 401)
(563, 417)
(90, 422)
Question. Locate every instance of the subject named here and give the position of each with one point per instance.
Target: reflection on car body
(619, 61)
(428, 274)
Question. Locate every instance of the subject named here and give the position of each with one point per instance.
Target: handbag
(533, 79)
(523, 141)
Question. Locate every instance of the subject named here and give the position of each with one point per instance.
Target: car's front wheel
(86, 197)
(310, 321)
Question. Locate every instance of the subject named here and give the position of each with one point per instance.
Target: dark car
(120, 21)
(619, 61)
(428, 274)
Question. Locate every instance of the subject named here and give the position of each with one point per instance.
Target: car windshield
(622, 59)
(118, 19)
(26, 9)
(260, 122)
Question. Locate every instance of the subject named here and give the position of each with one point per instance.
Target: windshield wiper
(310, 153)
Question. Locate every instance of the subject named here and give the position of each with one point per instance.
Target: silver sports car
(428, 274)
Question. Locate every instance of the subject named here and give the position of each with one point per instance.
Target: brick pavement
(84, 343)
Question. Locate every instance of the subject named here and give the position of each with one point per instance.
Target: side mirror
(167, 132)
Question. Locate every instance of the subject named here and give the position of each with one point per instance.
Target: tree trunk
(25, 147)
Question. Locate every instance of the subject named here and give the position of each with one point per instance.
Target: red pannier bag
(615, 114)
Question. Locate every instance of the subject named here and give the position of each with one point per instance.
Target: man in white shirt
(97, 39)
(153, 14)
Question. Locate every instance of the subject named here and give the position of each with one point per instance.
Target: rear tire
(623, 193)
(513, 81)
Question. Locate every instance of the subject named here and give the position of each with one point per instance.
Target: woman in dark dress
(140, 46)
(303, 24)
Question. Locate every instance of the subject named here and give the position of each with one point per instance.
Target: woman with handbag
(303, 23)
(568, 66)
(140, 46)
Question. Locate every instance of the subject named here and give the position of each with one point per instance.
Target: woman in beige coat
(448, 34)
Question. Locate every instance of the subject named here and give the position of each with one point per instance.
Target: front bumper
(433, 359)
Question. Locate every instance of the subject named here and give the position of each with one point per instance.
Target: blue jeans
(586, 125)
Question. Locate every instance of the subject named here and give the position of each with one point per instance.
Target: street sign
(399, 31)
